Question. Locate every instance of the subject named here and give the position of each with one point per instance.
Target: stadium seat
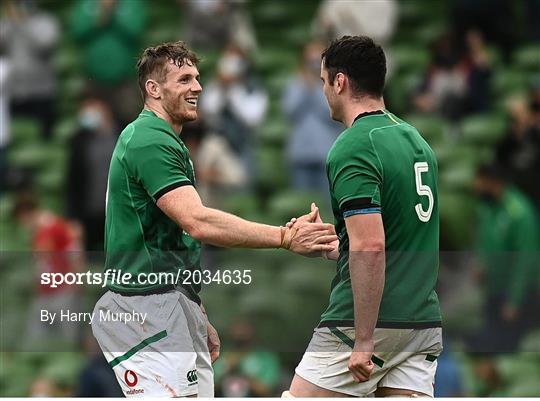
(65, 129)
(274, 132)
(432, 128)
(271, 172)
(64, 369)
(275, 86)
(414, 12)
(270, 13)
(521, 374)
(400, 91)
(495, 57)
(531, 343)
(458, 177)
(24, 131)
(16, 375)
(36, 155)
(287, 204)
(51, 181)
(508, 81)
(457, 216)
(527, 58)
(67, 61)
(450, 155)
(241, 204)
(483, 129)
(409, 58)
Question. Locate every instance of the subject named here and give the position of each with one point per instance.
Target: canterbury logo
(192, 376)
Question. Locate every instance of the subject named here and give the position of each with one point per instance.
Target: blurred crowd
(465, 73)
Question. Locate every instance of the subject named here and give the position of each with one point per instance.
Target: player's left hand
(214, 344)
(360, 364)
(315, 217)
(312, 217)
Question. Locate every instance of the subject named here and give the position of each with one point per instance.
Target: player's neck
(365, 105)
(158, 111)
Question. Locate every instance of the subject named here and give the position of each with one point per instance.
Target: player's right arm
(212, 226)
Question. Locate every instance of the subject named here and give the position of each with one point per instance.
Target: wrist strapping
(287, 236)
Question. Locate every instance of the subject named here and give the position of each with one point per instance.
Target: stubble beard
(179, 116)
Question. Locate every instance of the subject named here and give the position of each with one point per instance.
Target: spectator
(90, 151)
(56, 247)
(495, 19)
(456, 84)
(478, 69)
(219, 170)
(449, 376)
(29, 37)
(376, 19)
(212, 24)
(313, 131)
(519, 151)
(234, 104)
(45, 387)
(245, 372)
(508, 242)
(109, 33)
(97, 378)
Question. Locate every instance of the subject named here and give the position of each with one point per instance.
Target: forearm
(367, 280)
(223, 229)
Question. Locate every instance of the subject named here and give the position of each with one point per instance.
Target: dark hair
(153, 61)
(494, 171)
(361, 60)
(25, 202)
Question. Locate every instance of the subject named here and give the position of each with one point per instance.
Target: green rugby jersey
(383, 165)
(148, 161)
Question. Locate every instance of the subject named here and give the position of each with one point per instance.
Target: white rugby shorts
(403, 358)
(167, 355)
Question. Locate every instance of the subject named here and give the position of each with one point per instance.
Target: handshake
(307, 235)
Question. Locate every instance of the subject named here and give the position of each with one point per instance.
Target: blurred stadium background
(465, 73)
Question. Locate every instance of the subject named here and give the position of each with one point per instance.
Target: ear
(339, 83)
(153, 89)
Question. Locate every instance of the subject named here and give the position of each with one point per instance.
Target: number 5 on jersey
(423, 190)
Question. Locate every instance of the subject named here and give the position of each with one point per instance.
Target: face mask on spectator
(232, 66)
(90, 119)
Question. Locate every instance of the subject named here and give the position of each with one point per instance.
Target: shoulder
(148, 132)
(350, 142)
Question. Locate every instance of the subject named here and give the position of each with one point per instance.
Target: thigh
(325, 365)
(198, 331)
(151, 358)
(415, 370)
(301, 388)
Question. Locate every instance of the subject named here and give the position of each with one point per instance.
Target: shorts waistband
(157, 291)
(383, 325)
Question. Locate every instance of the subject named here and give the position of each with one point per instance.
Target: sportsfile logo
(131, 379)
(192, 377)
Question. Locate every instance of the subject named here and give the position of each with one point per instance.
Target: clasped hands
(307, 235)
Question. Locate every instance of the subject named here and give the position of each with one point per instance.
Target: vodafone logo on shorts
(131, 379)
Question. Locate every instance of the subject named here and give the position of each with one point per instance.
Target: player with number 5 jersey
(381, 332)
(383, 164)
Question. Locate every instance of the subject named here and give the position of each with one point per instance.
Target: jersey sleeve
(160, 166)
(355, 176)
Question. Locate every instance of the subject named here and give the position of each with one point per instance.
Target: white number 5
(423, 190)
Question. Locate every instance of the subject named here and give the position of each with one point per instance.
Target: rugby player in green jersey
(381, 332)
(155, 224)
